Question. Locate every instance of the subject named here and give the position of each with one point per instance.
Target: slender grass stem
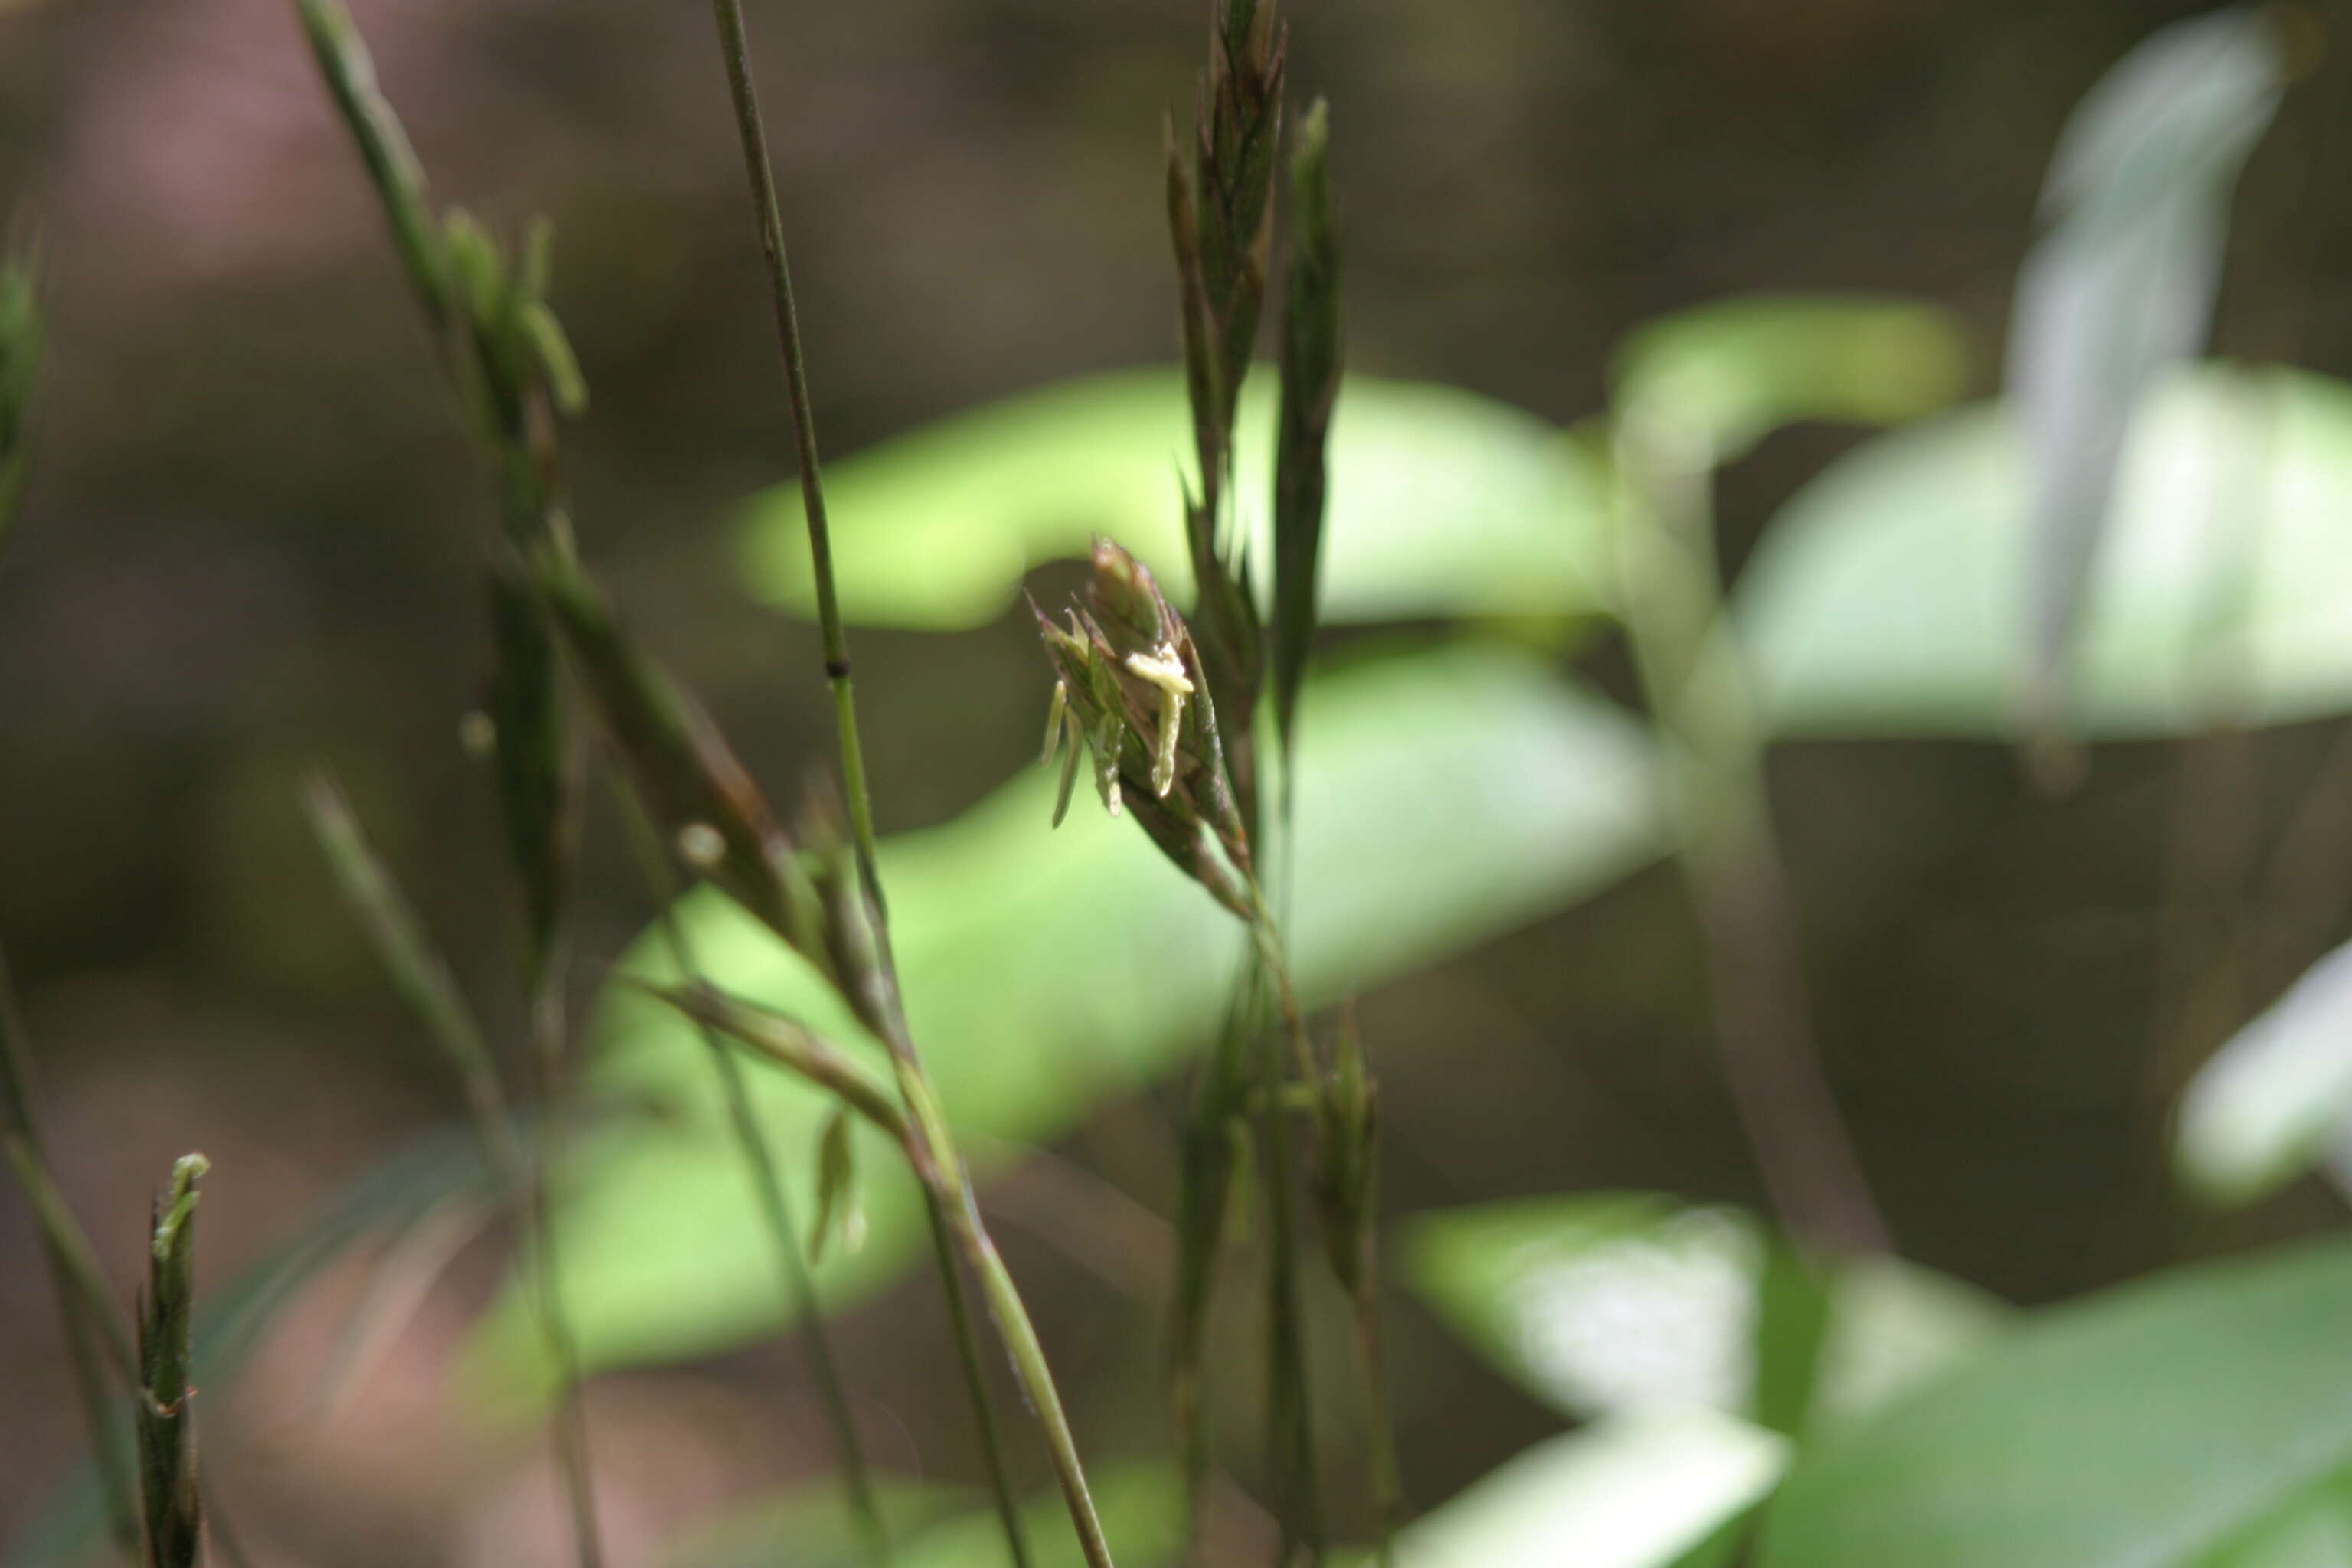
(172, 1503)
(1670, 601)
(1380, 1426)
(953, 1211)
(422, 976)
(570, 1423)
(761, 171)
(769, 1192)
(1290, 1418)
(96, 1337)
(922, 1133)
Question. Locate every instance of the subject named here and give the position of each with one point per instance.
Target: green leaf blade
(1441, 503)
(1886, 596)
(1446, 797)
(2138, 1429)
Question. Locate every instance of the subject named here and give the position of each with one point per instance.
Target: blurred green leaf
(1650, 1490)
(2272, 1101)
(1442, 503)
(1142, 1511)
(2120, 286)
(2138, 1429)
(1715, 380)
(1886, 596)
(1611, 1302)
(810, 1526)
(2315, 1531)
(1447, 796)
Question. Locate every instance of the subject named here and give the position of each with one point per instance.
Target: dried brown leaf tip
(1129, 694)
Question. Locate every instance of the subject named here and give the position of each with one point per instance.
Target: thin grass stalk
(546, 1155)
(769, 1192)
(93, 1331)
(1290, 1415)
(919, 1128)
(96, 1338)
(760, 170)
(420, 973)
(953, 1209)
(1671, 602)
(171, 1502)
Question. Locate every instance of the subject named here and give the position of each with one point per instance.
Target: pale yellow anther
(1163, 668)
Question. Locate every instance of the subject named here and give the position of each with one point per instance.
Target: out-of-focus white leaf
(2269, 1104)
(1886, 598)
(2121, 286)
(1646, 1491)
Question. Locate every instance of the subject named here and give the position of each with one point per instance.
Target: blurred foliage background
(252, 534)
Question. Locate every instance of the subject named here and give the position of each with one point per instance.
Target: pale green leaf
(1648, 1490)
(1446, 797)
(1610, 1302)
(1713, 381)
(2120, 286)
(1889, 597)
(2314, 1531)
(2141, 1429)
(2272, 1101)
(1442, 503)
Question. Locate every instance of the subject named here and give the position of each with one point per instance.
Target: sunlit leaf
(2140, 1428)
(2120, 286)
(1649, 1491)
(1442, 503)
(1886, 596)
(2269, 1103)
(1717, 379)
(1447, 796)
(1621, 1301)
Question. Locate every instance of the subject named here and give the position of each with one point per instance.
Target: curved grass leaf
(2144, 1428)
(1660, 1489)
(1606, 1303)
(1717, 379)
(1442, 503)
(1447, 796)
(2271, 1103)
(1886, 598)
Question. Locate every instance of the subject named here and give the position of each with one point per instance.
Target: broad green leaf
(1442, 503)
(1141, 1507)
(2315, 1531)
(2272, 1101)
(1889, 595)
(1650, 1490)
(2140, 1428)
(1620, 1301)
(2120, 286)
(1446, 796)
(1713, 381)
